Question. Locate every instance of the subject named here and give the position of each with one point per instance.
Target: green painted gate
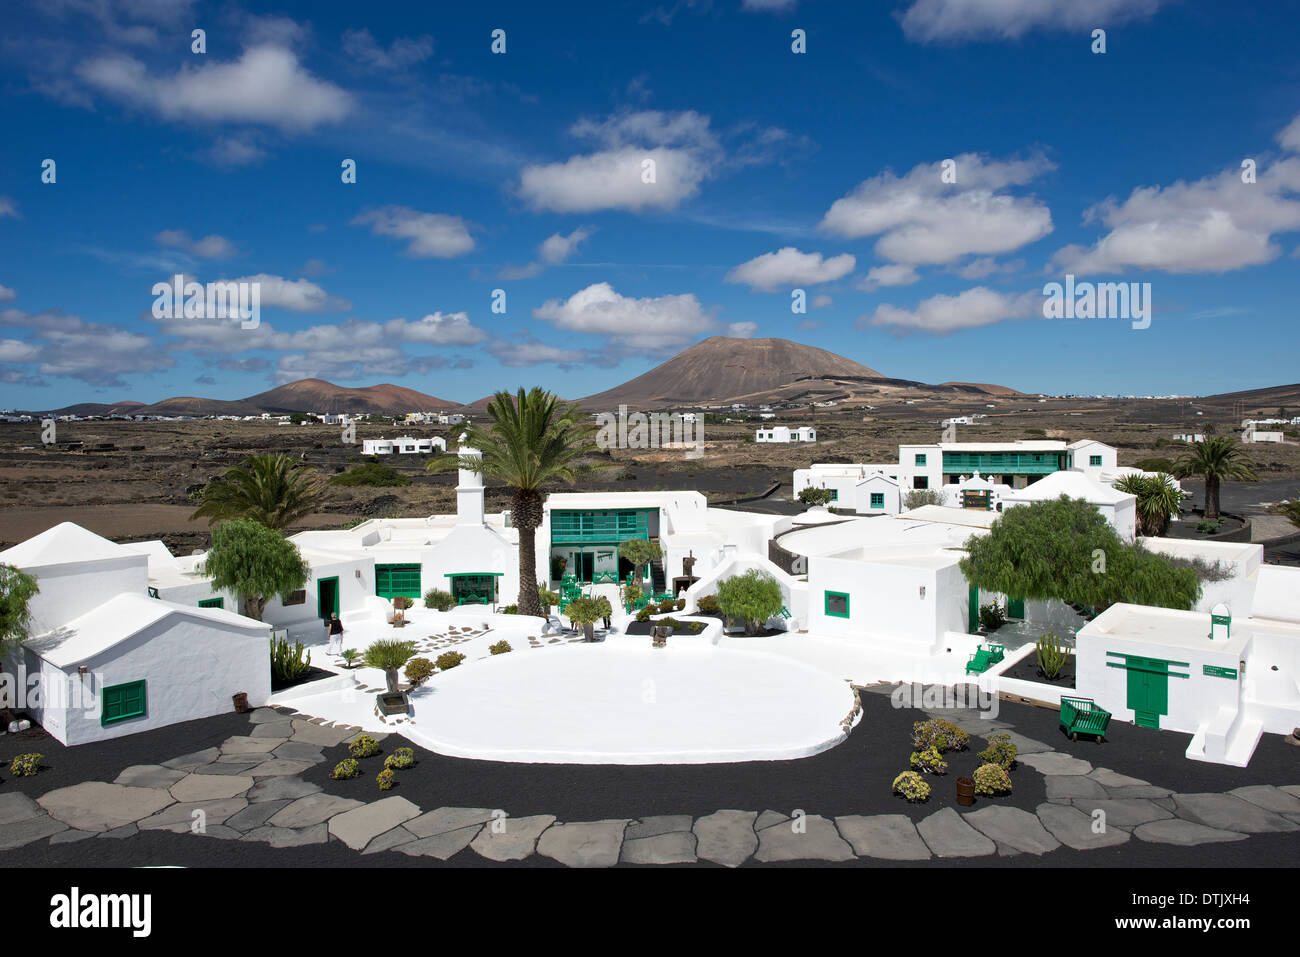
(394, 580)
(973, 615)
(1148, 685)
(1015, 607)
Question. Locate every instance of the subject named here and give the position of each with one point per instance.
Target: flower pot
(965, 791)
(241, 702)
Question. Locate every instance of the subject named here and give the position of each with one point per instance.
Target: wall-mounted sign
(1215, 671)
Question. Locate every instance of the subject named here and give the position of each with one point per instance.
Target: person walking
(336, 635)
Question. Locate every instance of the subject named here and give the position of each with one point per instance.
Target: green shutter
(394, 580)
(213, 603)
(123, 701)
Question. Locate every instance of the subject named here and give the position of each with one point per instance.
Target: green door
(1148, 690)
(973, 615)
(394, 580)
(1015, 608)
(327, 597)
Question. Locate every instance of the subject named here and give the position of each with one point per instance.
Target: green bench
(1083, 716)
(984, 659)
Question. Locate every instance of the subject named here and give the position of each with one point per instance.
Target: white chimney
(469, 491)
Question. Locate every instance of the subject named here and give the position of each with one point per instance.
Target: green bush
(815, 496)
(289, 662)
(1052, 657)
(1000, 751)
(922, 496)
(681, 604)
(644, 614)
(350, 656)
(929, 761)
(400, 760)
(500, 648)
(753, 598)
(448, 660)
(403, 602)
(25, 765)
(363, 746)
(347, 768)
(991, 616)
(372, 474)
(940, 735)
(510, 610)
(666, 606)
(418, 671)
(912, 786)
(708, 605)
(441, 600)
(678, 625)
(385, 778)
(992, 779)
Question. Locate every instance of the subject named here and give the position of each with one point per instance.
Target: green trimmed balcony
(1004, 463)
(599, 527)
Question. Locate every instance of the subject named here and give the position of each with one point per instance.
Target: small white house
(109, 660)
(1118, 508)
(379, 446)
(783, 433)
(1252, 435)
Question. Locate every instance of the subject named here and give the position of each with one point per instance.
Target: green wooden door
(1148, 690)
(1015, 607)
(973, 614)
(327, 596)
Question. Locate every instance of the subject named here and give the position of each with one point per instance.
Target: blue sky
(522, 172)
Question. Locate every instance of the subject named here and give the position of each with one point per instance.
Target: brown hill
(307, 395)
(720, 369)
(984, 387)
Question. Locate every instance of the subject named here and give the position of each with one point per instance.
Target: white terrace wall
(69, 591)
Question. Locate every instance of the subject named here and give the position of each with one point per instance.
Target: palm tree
(272, 488)
(1289, 509)
(533, 441)
(1158, 497)
(1218, 459)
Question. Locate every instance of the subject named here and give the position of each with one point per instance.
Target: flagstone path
(250, 789)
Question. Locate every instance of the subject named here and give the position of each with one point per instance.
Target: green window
(835, 495)
(837, 604)
(920, 458)
(1094, 459)
(877, 499)
(394, 580)
(213, 603)
(123, 701)
(921, 481)
(474, 589)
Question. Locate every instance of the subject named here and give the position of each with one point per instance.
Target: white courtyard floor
(612, 701)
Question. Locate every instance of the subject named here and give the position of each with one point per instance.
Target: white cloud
(15, 350)
(296, 295)
(822, 301)
(659, 324)
(431, 235)
(7, 294)
(530, 352)
(1290, 136)
(974, 307)
(209, 247)
(266, 85)
(922, 220)
(235, 150)
(956, 20)
(790, 267)
(742, 330)
(8, 208)
(66, 345)
(558, 248)
(437, 329)
(402, 53)
(891, 275)
(764, 5)
(988, 266)
(1216, 224)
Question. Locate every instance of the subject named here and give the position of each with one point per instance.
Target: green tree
(585, 611)
(1289, 509)
(922, 496)
(815, 496)
(17, 589)
(255, 563)
(389, 655)
(1064, 548)
(753, 597)
(1217, 459)
(272, 488)
(1158, 497)
(534, 441)
(639, 552)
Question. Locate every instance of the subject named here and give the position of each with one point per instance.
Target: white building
(403, 445)
(783, 433)
(109, 659)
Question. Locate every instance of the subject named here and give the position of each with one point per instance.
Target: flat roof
(1171, 628)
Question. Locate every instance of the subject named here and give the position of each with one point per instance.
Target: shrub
(441, 600)
(666, 606)
(1000, 752)
(1052, 656)
(385, 778)
(500, 648)
(991, 616)
(546, 598)
(400, 760)
(644, 614)
(940, 735)
(418, 671)
(350, 656)
(363, 746)
(403, 602)
(708, 605)
(681, 604)
(929, 761)
(753, 597)
(289, 662)
(510, 610)
(922, 496)
(815, 496)
(678, 625)
(25, 765)
(992, 779)
(373, 474)
(448, 660)
(347, 768)
(912, 786)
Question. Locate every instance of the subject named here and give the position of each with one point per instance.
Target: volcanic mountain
(721, 370)
(307, 395)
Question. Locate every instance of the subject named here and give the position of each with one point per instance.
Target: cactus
(1052, 656)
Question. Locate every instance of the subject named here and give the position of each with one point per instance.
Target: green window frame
(835, 495)
(877, 499)
(1094, 460)
(837, 604)
(213, 603)
(122, 702)
(394, 580)
(920, 458)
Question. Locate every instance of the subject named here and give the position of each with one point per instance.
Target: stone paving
(250, 789)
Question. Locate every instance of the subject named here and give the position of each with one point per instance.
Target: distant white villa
(403, 445)
(783, 433)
